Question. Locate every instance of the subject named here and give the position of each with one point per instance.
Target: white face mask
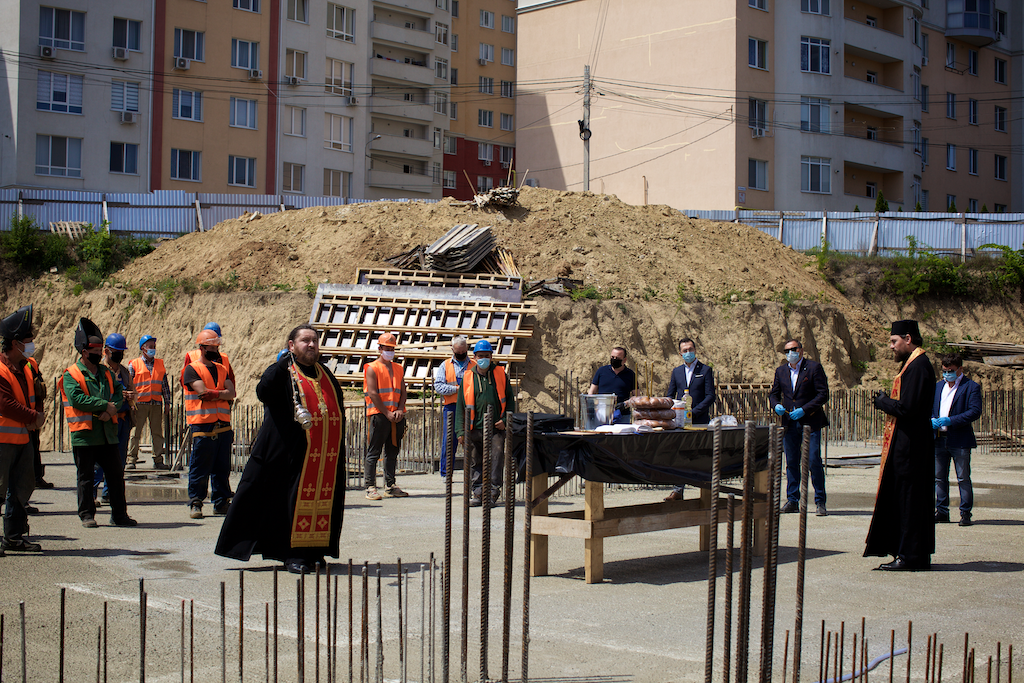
(387, 355)
(29, 350)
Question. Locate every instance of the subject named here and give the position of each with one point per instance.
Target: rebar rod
(446, 591)
(743, 620)
(508, 486)
(527, 546)
(316, 625)
(351, 662)
(60, 670)
(801, 558)
(276, 604)
(300, 627)
(380, 632)
(364, 627)
(401, 622)
(241, 622)
(467, 490)
(730, 524)
(716, 473)
(485, 538)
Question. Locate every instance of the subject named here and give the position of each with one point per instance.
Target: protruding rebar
(99, 652)
(300, 631)
(730, 525)
(801, 558)
(380, 632)
(828, 651)
(191, 644)
(60, 670)
(401, 621)
(223, 636)
(785, 656)
(910, 649)
(821, 655)
(716, 472)
(364, 643)
(24, 644)
(316, 626)
(241, 623)
(892, 653)
(467, 490)
(486, 496)
(446, 590)
(431, 622)
(963, 671)
(276, 604)
(743, 601)
(351, 663)
(527, 547)
(182, 646)
(266, 640)
(142, 631)
(508, 488)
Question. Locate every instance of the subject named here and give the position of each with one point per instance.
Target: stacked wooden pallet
(993, 353)
(460, 249)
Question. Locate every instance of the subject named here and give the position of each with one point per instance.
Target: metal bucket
(597, 410)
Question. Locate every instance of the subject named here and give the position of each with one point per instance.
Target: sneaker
(475, 502)
(161, 466)
(123, 521)
(942, 518)
(89, 522)
(821, 511)
(965, 519)
(372, 493)
(20, 545)
(105, 499)
(129, 466)
(43, 484)
(395, 492)
(31, 510)
(790, 506)
(195, 510)
(222, 509)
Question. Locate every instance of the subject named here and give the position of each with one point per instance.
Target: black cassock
(903, 523)
(260, 517)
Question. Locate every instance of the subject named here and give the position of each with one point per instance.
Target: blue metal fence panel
(50, 206)
(8, 207)
(1004, 228)
(849, 231)
(304, 202)
(165, 213)
(222, 207)
(715, 215)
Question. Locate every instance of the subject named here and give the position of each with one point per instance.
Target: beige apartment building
(763, 104)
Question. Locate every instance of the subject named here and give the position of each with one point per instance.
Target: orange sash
(311, 523)
(890, 420)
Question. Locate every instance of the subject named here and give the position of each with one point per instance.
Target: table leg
(593, 511)
(761, 525)
(538, 543)
(705, 529)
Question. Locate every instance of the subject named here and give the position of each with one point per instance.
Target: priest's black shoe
(297, 566)
(902, 565)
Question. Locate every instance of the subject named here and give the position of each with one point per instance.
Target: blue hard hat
(116, 342)
(282, 353)
(215, 327)
(482, 345)
(146, 338)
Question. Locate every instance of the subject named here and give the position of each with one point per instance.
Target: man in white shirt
(957, 404)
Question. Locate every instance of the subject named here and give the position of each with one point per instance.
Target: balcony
(400, 35)
(976, 28)
(884, 44)
(862, 122)
(873, 67)
(417, 6)
(408, 182)
(864, 182)
(402, 109)
(884, 158)
(402, 71)
(403, 146)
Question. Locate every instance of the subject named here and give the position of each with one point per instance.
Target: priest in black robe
(903, 523)
(291, 498)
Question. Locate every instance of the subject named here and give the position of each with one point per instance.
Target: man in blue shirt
(956, 405)
(615, 378)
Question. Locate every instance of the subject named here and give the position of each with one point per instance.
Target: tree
(984, 208)
(881, 206)
(917, 207)
(951, 208)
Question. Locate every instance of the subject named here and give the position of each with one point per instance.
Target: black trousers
(476, 456)
(33, 437)
(379, 439)
(108, 457)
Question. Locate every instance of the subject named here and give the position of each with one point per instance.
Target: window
(441, 68)
(917, 31)
(247, 5)
(1000, 208)
(455, 111)
(814, 6)
(486, 52)
(295, 63)
(293, 177)
(1001, 22)
(924, 97)
(872, 133)
(442, 4)
(486, 19)
(58, 156)
(485, 151)
(336, 183)
(814, 115)
(972, 111)
(508, 56)
(872, 77)
(186, 165)
(441, 34)
(455, 43)
(871, 21)
(972, 62)
(486, 85)
(924, 47)
(950, 202)
(924, 200)
(1000, 167)
(508, 89)
(870, 190)
(484, 183)
(757, 174)
(339, 77)
(1000, 70)
(924, 150)
(243, 113)
(950, 55)
(1001, 119)
(455, 8)
(127, 34)
(441, 103)
(815, 175)
(450, 145)
(915, 132)
(61, 28)
(58, 92)
(951, 157)
(245, 54)
(339, 132)
(455, 77)
(757, 53)
(950, 105)
(435, 172)
(449, 179)
(758, 4)
(124, 96)
(508, 24)
(298, 10)
(814, 55)
(187, 104)
(506, 156)
(506, 121)
(438, 137)
(757, 113)
(972, 206)
(915, 82)
(124, 158)
(189, 44)
(485, 118)
(242, 171)
(972, 161)
(295, 121)
(341, 23)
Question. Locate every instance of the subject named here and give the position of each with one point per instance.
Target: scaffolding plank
(425, 278)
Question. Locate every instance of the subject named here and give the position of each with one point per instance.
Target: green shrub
(881, 205)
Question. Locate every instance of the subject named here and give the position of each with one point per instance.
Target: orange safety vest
(80, 420)
(389, 384)
(194, 355)
(149, 385)
(449, 376)
(200, 412)
(469, 393)
(12, 431)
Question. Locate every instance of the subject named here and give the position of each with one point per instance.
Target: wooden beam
(593, 512)
(1004, 361)
(538, 539)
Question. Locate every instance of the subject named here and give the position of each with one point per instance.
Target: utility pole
(585, 128)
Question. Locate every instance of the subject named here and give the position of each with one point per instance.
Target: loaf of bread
(643, 414)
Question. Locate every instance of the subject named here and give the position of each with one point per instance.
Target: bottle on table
(687, 408)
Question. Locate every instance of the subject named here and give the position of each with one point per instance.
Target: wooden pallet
(425, 278)
(992, 353)
(75, 230)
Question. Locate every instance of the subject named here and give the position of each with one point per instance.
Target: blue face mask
(949, 376)
(150, 353)
(792, 356)
(483, 363)
(689, 357)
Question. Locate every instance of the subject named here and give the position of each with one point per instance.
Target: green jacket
(102, 432)
(485, 393)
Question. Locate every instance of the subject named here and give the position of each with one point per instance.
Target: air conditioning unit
(129, 117)
(757, 132)
(924, 61)
(293, 80)
(487, 162)
(47, 52)
(351, 102)
(255, 74)
(182, 63)
(121, 53)
(506, 164)
(482, 62)
(999, 36)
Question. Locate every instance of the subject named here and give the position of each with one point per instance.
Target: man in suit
(956, 405)
(798, 395)
(699, 380)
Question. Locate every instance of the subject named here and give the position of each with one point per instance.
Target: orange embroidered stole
(311, 523)
(890, 420)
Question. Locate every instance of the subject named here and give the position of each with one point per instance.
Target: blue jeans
(961, 458)
(791, 442)
(211, 459)
(445, 412)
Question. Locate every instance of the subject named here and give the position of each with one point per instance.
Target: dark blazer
(702, 390)
(966, 408)
(811, 393)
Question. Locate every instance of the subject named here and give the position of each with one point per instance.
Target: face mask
(150, 353)
(387, 355)
(949, 376)
(483, 363)
(30, 348)
(689, 357)
(792, 356)
(212, 355)
(94, 358)
(461, 356)
(616, 362)
(117, 356)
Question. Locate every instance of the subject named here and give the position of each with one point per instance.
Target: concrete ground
(645, 622)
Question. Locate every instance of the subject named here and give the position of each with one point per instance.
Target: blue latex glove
(796, 414)
(935, 423)
(779, 410)
(943, 421)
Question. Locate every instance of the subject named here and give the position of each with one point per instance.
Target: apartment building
(479, 152)
(230, 96)
(816, 104)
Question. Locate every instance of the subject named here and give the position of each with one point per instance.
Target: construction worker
(193, 355)
(447, 379)
(113, 351)
(208, 394)
(33, 434)
(385, 392)
(18, 415)
(152, 403)
(91, 398)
